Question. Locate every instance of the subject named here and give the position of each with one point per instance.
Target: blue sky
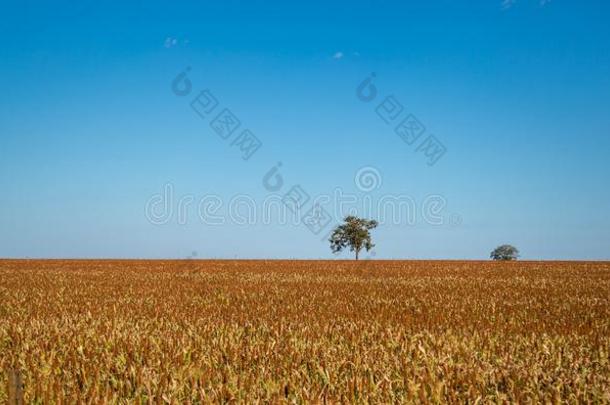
(91, 133)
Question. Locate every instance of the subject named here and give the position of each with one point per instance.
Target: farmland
(305, 331)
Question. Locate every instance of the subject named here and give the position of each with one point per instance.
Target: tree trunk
(357, 251)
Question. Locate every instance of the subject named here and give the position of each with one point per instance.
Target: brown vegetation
(295, 331)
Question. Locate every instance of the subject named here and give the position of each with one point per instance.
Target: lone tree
(353, 233)
(505, 252)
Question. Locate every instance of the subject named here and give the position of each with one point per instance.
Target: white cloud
(506, 4)
(338, 55)
(169, 42)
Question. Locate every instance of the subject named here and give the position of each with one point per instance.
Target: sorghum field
(305, 331)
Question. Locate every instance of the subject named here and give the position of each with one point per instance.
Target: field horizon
(285, 331)
(516, 262)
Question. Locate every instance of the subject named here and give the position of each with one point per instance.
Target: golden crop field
(305, 331)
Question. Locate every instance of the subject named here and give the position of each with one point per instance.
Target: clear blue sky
(518, 92)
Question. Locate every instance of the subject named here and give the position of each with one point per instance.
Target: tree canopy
(353, 233)
(505, 252)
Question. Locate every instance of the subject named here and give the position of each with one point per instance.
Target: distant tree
(505, 252)
(354, 233)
